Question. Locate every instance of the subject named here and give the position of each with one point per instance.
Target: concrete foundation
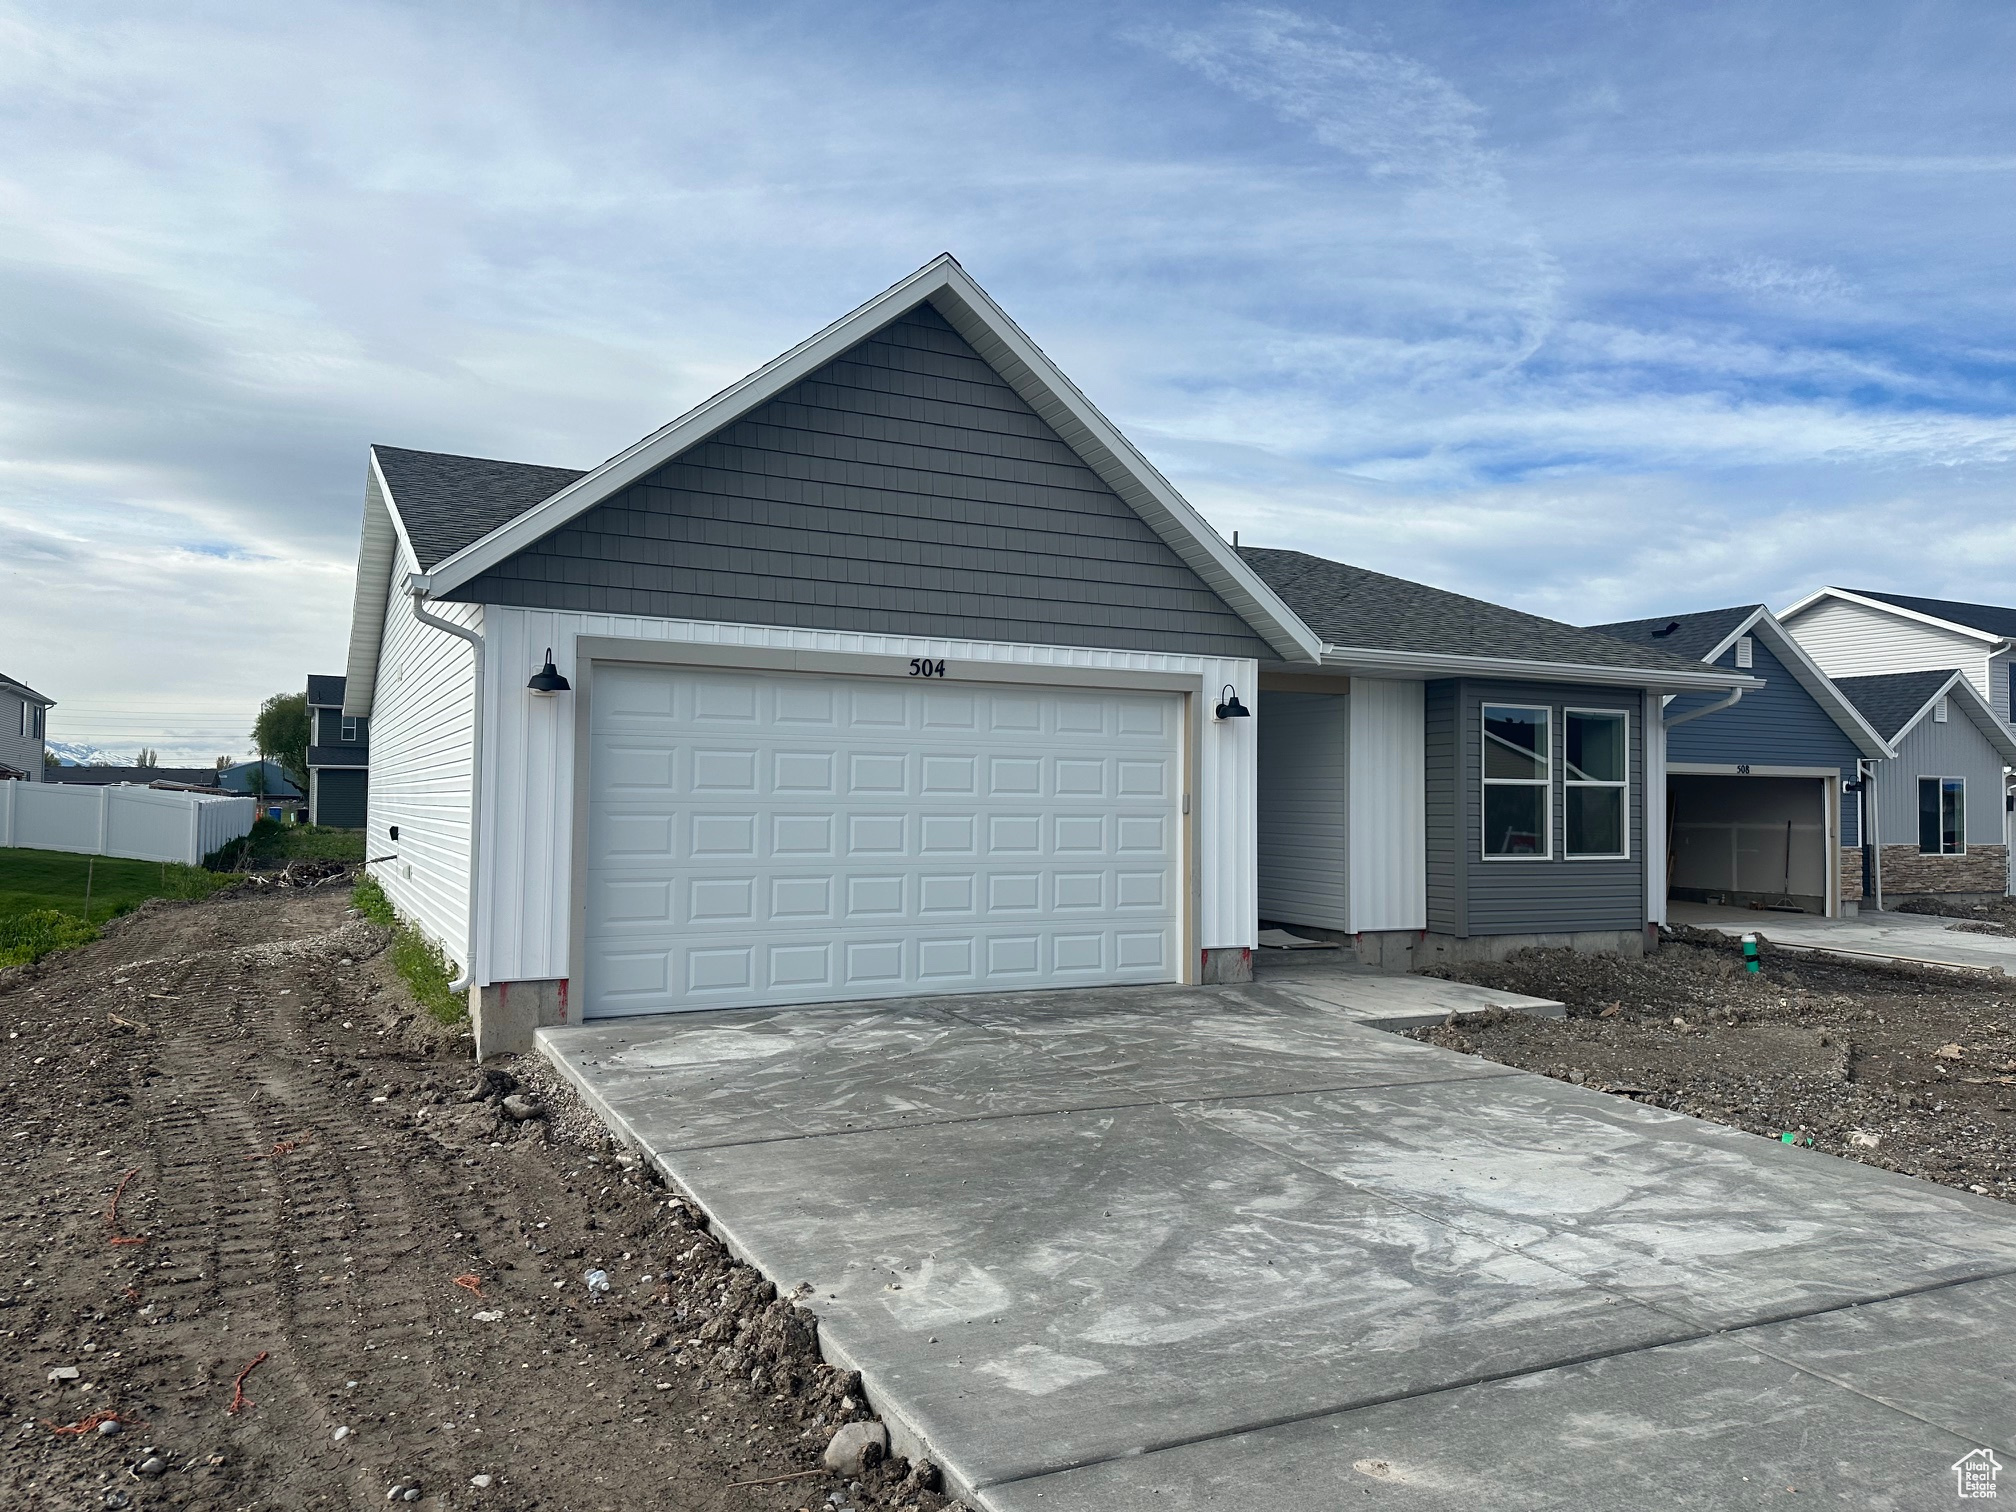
(504, 1015)
(1227, 965)
(1412, 950)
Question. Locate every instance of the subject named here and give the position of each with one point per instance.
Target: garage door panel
(759, 838)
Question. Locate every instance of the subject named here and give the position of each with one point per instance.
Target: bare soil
(1913, 1070)
(304, 1165)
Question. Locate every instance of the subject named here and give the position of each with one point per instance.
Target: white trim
(1568, 711)
(1544, 784)
(1808, 674)
(381, 543)
(1745, 769)
(1925, 777)
(1978, 710)
(1020, 362)
(1897, 609)
(1370, 662)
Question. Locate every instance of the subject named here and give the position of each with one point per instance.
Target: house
(134, 776)
(23, 728)
(339, 757)
(1764, 798)
(1938, 826)
(1860, 632)
(894, 668)
(1492, 779)
(280, 797)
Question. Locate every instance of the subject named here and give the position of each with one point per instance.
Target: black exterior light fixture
(547, 680)
(1229, 706)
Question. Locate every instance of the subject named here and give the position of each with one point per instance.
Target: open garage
(1745, 837)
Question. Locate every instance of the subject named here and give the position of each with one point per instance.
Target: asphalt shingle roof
(447, 501)
(1889, 699)
(1988, 617)
(1690, 635)
(1349, 606)
(21, 687)
(325, 692)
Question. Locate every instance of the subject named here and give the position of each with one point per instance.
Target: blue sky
(1595, 309)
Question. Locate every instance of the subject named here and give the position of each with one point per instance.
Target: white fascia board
(1372, 662)
(380, 546)
(1983, 714)
(1806, 672)
(1022, 364)
(1896, 610)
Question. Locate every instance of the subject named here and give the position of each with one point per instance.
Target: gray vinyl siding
(1779, 724)
(340, 797)
(1956, 748)
(1468, 895)
(328, 729)
(1304, 804)
(903, 488)
(23, 753)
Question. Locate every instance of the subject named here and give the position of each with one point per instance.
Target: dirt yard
(271, 1241)
(1908, 1069)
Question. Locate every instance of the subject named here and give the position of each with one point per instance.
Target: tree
(148, 757)
(51, 759)
(281, 732)
(226, 761)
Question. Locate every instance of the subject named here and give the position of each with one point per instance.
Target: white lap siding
(527, 901)
(421, 732)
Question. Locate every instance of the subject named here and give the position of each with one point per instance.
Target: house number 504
(923, 666)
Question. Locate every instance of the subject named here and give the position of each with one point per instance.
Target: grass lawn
(34, 880)
(271, 841)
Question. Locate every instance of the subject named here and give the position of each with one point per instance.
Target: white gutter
(1373, 662)
(417, 587)
(1735, 695)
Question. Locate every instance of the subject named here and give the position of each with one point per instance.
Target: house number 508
(923, 666)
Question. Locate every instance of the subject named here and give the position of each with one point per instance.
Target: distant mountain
(69, 754)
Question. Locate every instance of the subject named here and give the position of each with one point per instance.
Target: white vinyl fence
(142, 823)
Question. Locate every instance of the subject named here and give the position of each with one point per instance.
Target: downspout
(1872, 833)
(1735, 694)
(462, 983)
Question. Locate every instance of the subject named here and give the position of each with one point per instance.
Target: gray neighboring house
(135, 776)
(339, 758)
(1939, 822)
(23, 728)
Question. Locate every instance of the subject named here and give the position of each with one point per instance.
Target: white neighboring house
(23, 729)
(895, 669)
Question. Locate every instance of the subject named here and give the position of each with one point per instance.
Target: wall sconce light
(1229, 706)
(547, 680)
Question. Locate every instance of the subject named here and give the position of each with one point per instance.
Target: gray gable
(1987, 617)
(904, 487)
(1888, 700)
(445, 501)
(1692, 635)
(25, 691)
(1349, 606)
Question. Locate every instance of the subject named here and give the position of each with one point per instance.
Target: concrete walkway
(1890, 936)
(1227, 1248)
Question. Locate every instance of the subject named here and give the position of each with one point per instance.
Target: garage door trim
(591, 651)
(1830, 805)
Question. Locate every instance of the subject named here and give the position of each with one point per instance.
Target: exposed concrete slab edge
(905, 1437)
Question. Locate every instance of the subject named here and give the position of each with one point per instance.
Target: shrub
(369, 899)
(27, 937)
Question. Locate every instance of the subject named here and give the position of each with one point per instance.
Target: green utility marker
(1752, 961)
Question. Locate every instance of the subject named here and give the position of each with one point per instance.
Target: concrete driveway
(1228, 1248)
(1885, 936)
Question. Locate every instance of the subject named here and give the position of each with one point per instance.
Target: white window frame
(346, 731)
(1545, 784)
(1925, 777)
(1568, 781)
(31, 720)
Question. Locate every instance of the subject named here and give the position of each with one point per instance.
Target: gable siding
(1446, 897)
(23, 753)
(1847, 640)
(904, 488)
(1779, 724)
(1556, 896)
(1956, 748)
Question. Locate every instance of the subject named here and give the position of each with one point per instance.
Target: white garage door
(761, 838)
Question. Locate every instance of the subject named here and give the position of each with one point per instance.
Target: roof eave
(1806, 672)
(1848, 597)
(1373, 661)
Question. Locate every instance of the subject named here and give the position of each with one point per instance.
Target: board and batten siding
(1388, 886)
(1848, 640)
(525, 906)
(422, 728)
(1956, 748)
(902, 489)
(1303, 808)
(1779, 724)
(1468, 895)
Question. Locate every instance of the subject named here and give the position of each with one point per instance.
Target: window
(350, 729)
(31, 720)
(1518, 780)
(1596, 783)
(1942, 816)
(1744, 655)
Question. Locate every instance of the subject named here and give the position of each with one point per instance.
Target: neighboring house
(280, 797)
(136, 776)
(339, 756)
(895, 669)
(1938, 825)
(1764, 797)
(24, 719)
(1859, 633)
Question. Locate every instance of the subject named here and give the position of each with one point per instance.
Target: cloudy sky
(1597, 309)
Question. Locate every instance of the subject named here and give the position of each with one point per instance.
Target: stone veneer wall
(1984, 869)
(1851, 874)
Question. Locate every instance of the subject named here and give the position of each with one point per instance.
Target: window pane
(1514, 821)
(1595, 821)
(1953, 828)
(1928, 815)
(1595, 747)
(1515, 742)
